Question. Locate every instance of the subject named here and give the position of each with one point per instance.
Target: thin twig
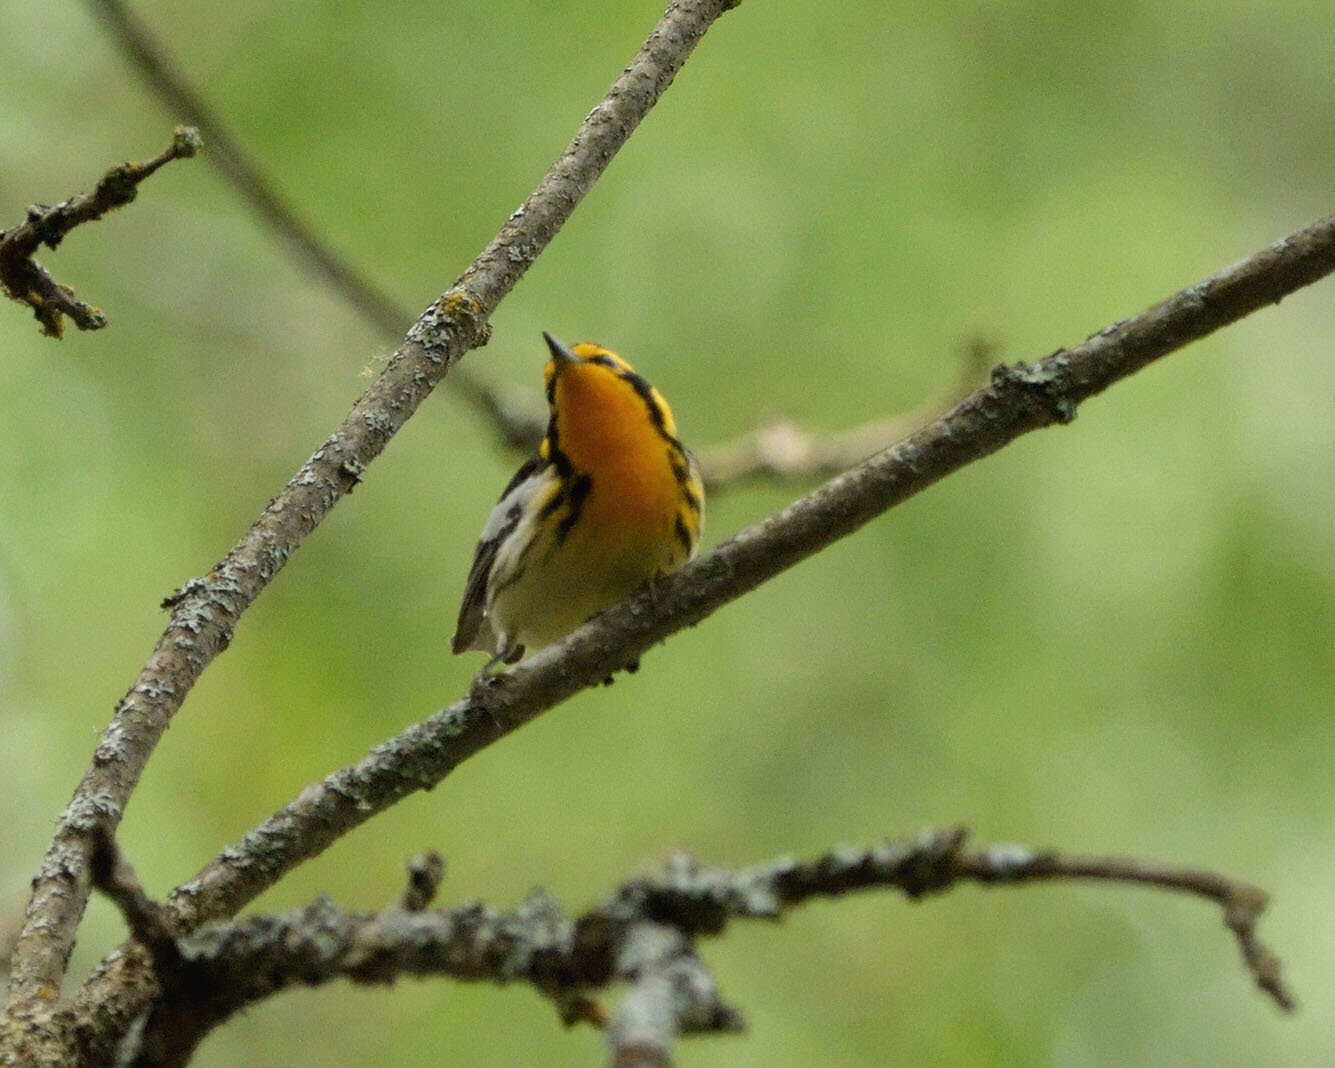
(206, 610)
(1019, 399)
(1242, 903)
(517, 426)
(27, 281)
(149, 922)
(780, 449)
(645, 934)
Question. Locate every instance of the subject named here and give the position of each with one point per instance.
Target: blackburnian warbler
(611, 501)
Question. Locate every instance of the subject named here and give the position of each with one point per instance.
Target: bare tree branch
(776, 447)
(517, 426)
(27, 281)
(205, 611)
(1019, 399)
(779, 448)
(645, 934)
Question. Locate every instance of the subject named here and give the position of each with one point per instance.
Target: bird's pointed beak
(560, 353)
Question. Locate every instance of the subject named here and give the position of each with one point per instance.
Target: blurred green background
(1114, 637)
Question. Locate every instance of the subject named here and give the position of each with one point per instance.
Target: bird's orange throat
(605, 430)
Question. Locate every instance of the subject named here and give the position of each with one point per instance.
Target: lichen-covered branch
(25, 280)
(206, 610)
(645, 934)
(517, 426)
(1019, 399)
(778, 448)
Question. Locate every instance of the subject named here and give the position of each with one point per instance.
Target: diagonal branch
(776, 447)
(150, 58)
(1019, 399)
(25, 280)
(206, 610)
(645, 934)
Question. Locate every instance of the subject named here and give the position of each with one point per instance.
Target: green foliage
(1112, 637)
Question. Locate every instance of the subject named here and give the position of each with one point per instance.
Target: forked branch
(28, 282)
(206, 610)
(645, 934)
(1019, 399)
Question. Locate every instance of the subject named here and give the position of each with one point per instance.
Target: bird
(611, 501)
